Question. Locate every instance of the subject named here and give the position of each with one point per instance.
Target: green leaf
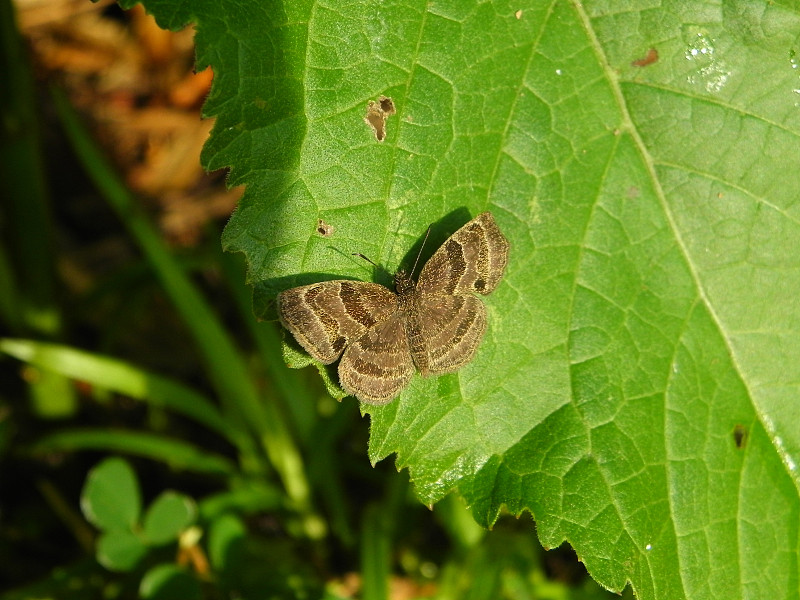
(225, 538)
(174, 453)
(637, 387)
(168, 582)
(249, 497)
(120, 549)
(119, 376)
(111, 498)
(51, 395)
(167, 516)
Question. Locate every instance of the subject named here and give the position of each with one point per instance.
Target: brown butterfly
(434, 324)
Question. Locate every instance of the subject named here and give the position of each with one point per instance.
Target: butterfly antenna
(427, 233)
(365, 258)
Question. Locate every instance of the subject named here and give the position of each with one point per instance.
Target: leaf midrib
(649, 165)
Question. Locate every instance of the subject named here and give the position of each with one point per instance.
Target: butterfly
(433, 325)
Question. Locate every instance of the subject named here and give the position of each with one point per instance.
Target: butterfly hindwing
(325, 317)
(452, 328)
(378, 365)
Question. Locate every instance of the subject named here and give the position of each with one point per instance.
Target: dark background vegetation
(75, 274)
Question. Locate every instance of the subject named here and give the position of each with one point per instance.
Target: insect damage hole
(377, 112)
(324, 229)
(740, 436)
(387, 106)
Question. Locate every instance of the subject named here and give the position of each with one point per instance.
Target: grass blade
(175, 453)
(376, 544)
(124, 378)
(293, 389)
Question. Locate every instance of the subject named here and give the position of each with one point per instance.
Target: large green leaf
(637, 388)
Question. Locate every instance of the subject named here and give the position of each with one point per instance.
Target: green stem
(23, 187)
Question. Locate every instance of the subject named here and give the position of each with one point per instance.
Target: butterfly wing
(450, 320)
(324, 317)
(378, 365)
(451, 329)
(363, 323)
(473, 259)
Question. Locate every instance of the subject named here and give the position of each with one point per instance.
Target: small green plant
(112, 502)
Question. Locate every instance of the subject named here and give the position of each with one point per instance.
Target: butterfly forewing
(378, 365)
(325, 317)
(471, 260)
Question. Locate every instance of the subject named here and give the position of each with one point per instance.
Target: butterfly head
(403, 283)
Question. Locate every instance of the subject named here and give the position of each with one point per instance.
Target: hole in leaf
(377, 111)
(740, 436)
(324, 229)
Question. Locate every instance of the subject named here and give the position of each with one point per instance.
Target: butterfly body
(433, 325)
